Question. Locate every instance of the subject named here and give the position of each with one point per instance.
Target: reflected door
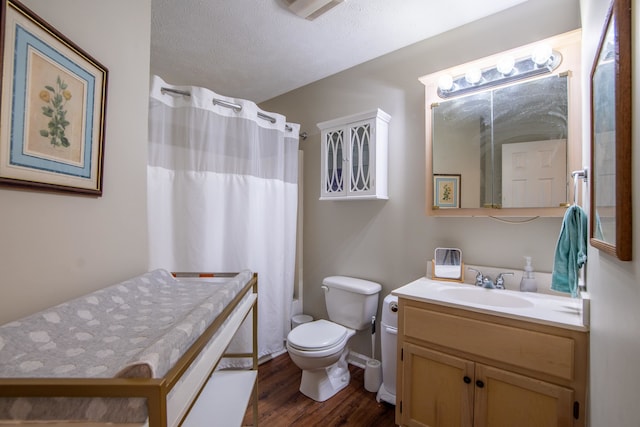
(534, 174)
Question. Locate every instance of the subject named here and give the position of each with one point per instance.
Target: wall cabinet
(354, 157)
(480, 370)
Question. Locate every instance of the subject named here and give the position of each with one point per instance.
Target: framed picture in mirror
(446, 191)
(610, 216)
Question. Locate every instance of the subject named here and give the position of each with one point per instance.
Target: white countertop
(545, 309)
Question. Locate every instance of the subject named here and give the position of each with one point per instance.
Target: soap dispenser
(528, 282)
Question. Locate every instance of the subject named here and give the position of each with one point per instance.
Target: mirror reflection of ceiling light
(311, 9)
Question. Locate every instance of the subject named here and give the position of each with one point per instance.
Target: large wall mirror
(513, 143)
(611, 136)
(510, 144)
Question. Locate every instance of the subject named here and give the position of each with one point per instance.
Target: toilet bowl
(319, 348)
(317, 344)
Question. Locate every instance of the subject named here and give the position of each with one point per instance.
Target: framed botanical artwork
(52, 107)
(446, 191)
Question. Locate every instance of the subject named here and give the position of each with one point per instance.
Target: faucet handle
(479, 276)
(500, 279)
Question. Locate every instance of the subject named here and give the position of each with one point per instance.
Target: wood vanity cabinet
(462, 368)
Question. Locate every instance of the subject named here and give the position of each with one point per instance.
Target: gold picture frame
(52, 107)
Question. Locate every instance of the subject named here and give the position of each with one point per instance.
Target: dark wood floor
(280, 402)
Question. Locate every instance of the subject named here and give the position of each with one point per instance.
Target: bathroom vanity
(469, 356)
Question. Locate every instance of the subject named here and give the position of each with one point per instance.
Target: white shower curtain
(222, 196)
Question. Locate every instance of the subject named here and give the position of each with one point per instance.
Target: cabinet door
(333, 161)
(362, 160)
(437, 389)
(505, 399)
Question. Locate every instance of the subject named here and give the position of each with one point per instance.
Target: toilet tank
(351, 302)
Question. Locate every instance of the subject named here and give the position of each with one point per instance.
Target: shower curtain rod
(234, 107)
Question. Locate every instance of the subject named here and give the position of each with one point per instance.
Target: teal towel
(571, 251)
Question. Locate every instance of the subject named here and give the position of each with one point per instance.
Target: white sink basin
(537, 307)
(482, 296)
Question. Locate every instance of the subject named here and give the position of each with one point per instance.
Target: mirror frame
(454, 257)
(618, 16)
(569, 45)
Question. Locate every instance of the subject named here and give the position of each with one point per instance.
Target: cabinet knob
(466, 380)
(479, 383)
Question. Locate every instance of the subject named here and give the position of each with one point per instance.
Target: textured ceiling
(258, 49)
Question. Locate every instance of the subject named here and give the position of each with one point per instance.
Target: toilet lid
(317, 335)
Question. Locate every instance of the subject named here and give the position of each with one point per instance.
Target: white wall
(614, 285)
(57, 246)
(391, 241)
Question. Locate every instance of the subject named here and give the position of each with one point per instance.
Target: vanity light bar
(490, 77)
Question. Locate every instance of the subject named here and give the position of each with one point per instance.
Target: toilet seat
(318, 335)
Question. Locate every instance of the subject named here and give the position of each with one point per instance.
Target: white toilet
(319, 348)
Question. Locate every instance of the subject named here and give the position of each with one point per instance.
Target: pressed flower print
(55, 99)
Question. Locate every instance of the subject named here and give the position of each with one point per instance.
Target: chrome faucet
(486, 282)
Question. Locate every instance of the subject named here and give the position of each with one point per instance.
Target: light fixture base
(311, 9)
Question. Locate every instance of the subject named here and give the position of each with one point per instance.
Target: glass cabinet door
(334, 182)
(360, 158)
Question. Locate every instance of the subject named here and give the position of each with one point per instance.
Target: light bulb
(473, 76)
(445, 82)
(505, 65)
(541, 54)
